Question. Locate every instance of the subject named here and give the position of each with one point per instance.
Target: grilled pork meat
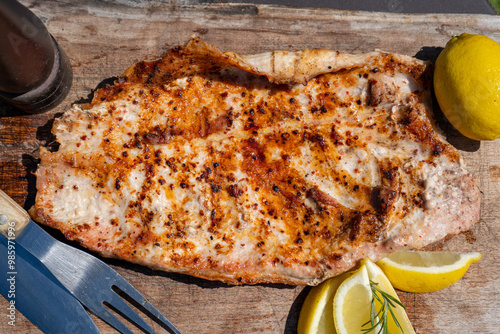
(283, 167)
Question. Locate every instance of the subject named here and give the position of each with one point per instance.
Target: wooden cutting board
(102, 38)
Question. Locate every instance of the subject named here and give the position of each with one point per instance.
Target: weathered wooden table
(102, 38)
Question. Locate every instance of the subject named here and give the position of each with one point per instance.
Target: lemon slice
(377, 275)
(316, 313)
(417, 271)
(352, 303)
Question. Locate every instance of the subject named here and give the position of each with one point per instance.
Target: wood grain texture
(103, 38)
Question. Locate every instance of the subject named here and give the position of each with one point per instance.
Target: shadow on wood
(455, 138)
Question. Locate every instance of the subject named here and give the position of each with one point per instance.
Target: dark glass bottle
(35, 74)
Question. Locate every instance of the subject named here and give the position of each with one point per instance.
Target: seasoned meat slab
(283, 167)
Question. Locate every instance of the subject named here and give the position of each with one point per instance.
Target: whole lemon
(467, 85)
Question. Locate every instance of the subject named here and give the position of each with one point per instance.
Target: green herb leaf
(379, 319)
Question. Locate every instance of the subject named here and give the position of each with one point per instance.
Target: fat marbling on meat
(283, 167)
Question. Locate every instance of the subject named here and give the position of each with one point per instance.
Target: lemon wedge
(316, 313)
(417, 271)
(377, 275)
(352, 303)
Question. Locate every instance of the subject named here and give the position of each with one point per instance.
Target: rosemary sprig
(380, 318)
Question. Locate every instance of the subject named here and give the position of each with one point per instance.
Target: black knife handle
(35, 74)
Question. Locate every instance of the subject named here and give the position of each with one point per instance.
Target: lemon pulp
(316, 312)
(377, 275)
(352, 302)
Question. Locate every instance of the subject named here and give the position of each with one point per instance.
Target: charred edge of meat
(383, 198)
(321, 197)
(218, 124)
(108, 89)
(390, 175)
(387, 197)
(417, 123)
(380, 92)
(253, 152)
(365, 227)
(316, 139)
(158, 136)
(336, 137)
(235, 191)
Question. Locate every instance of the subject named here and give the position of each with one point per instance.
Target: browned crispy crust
(252, 177)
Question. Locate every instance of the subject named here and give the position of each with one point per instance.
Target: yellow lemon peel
(467, 85)
(416, 271)
(344, 304)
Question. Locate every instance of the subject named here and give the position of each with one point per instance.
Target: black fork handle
(35, 74)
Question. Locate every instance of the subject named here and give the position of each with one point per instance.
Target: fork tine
(148, 306)
(133, 293)
(111, 319)
(121, 306)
